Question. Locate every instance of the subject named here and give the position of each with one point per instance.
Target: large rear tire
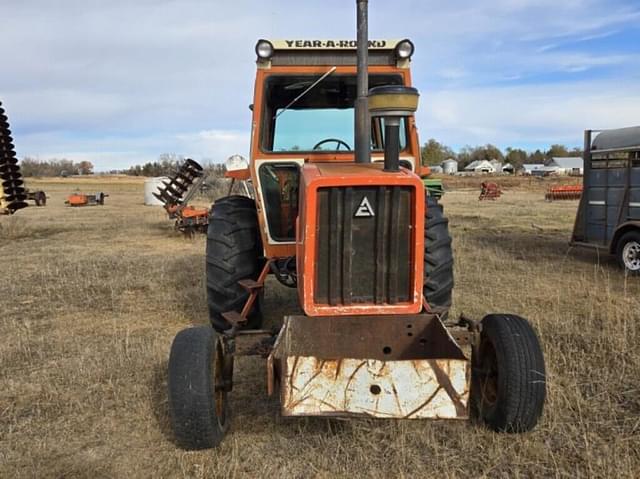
(197, 393)
(438, 257)
(509, 379)
(234, 252)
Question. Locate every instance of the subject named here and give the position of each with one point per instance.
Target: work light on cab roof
(265, 49)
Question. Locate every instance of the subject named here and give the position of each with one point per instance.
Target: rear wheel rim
(631, 256)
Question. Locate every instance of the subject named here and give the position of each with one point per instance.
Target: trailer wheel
(508, 386)
(438, 257)
(198, 388)
(40, 198)
(628, 252)
(234, 252)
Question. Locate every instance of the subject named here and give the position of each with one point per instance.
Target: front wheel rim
(219, 394)
(488, 376)
(631, 256)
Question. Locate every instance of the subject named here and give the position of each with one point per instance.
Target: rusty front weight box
(376, 366)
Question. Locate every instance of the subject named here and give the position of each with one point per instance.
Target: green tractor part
(433, 187)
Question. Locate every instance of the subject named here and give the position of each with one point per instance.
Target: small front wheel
(509, 381)
(198, 388)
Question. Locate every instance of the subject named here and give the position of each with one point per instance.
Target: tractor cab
(303, 112)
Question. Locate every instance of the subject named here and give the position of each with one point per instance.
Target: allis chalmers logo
(365, 210)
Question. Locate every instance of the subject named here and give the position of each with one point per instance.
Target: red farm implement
(489, 191)
(176, 193)
(565, 192)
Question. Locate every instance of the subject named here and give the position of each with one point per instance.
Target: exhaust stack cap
(393, 100)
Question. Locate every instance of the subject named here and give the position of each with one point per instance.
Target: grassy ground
(92, 297)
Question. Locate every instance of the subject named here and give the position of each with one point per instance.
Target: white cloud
(217, 145)
(538, 114)
(123, 81)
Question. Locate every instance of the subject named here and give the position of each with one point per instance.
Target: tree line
(55, 167)
(166, 165)
(434, 153)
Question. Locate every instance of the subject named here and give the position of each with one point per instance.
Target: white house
(480, 166)
(573, 166)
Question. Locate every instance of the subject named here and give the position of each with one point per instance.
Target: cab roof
(331, 52)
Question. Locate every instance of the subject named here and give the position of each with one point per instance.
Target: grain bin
(450, 166)
(151, 186)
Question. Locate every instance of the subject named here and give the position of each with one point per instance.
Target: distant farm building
(479, 167)
(570, 166)
(508, 168)
(497, 165)
(450, 166)
(529, 168)
(436, 169)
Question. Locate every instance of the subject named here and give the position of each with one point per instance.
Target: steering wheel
(336, 140)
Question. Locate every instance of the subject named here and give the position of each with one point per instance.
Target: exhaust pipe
(391, 103)
(362, 140)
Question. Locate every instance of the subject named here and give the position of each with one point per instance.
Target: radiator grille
(364, 252)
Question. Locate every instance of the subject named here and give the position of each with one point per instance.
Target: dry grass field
(91, 299)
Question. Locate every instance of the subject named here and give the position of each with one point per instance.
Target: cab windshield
(321, 120)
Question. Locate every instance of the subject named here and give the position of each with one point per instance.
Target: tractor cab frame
(303, 113)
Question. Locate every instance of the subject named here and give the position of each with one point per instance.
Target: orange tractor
(341, 215)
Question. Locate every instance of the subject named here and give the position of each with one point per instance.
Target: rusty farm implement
(563, 192)
(13, 195)
(177, 191)
(341, 214)
(38, 197)
(84, 199)
(489, 191)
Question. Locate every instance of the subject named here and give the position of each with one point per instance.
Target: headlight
(264, 49)
(236, 162)
(404, 49)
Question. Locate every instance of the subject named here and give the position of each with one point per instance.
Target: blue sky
(121, 82)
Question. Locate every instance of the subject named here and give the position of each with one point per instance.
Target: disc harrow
(174, 190)
(176, 193)
(13, 195)
(565, 192)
